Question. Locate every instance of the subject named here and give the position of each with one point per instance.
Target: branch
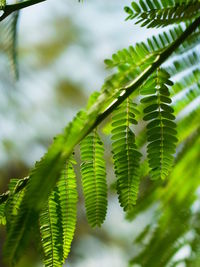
(126, 92)
(8, 9)
(161, 58)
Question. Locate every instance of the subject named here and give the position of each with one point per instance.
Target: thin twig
(9, 9)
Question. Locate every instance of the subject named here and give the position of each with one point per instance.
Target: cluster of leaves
(158, 13)
(177, 227)
(49, 196)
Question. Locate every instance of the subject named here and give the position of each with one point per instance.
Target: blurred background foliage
(61, 46)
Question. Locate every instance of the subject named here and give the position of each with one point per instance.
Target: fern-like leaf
(68, 198)
(8, 42)
(130, 62)
(58, 219)
(158, 13)
(51, 232)
(161, 133)
(44, 177)
(125, 154)
(94, 179)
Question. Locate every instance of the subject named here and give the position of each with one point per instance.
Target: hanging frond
(58, 219)
(68, 198)
(94, 179)
(8, 42)
(188, 87)
(125, 155)
(161, 133)
(38, 190)
(158, 13)
(51, 232)
(19, 232)
(49, 168)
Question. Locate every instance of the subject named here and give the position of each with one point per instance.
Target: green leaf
(161, 135)
(58, 219)
(94, 179)
(162, 13)
(125, 155)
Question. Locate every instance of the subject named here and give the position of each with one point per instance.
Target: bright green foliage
(125, 155)
(50, 195)
(135, 56)
(52, 163)
(68, 198)
(50, 168)
(129, 63)
(160, 13)
(161, 133)
(58, 219)
(171, 230)
(28, 215)
(51, 232)
(94, 179)
(174, 220)
(132, 61)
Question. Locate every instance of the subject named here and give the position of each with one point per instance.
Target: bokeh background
(61, 48)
